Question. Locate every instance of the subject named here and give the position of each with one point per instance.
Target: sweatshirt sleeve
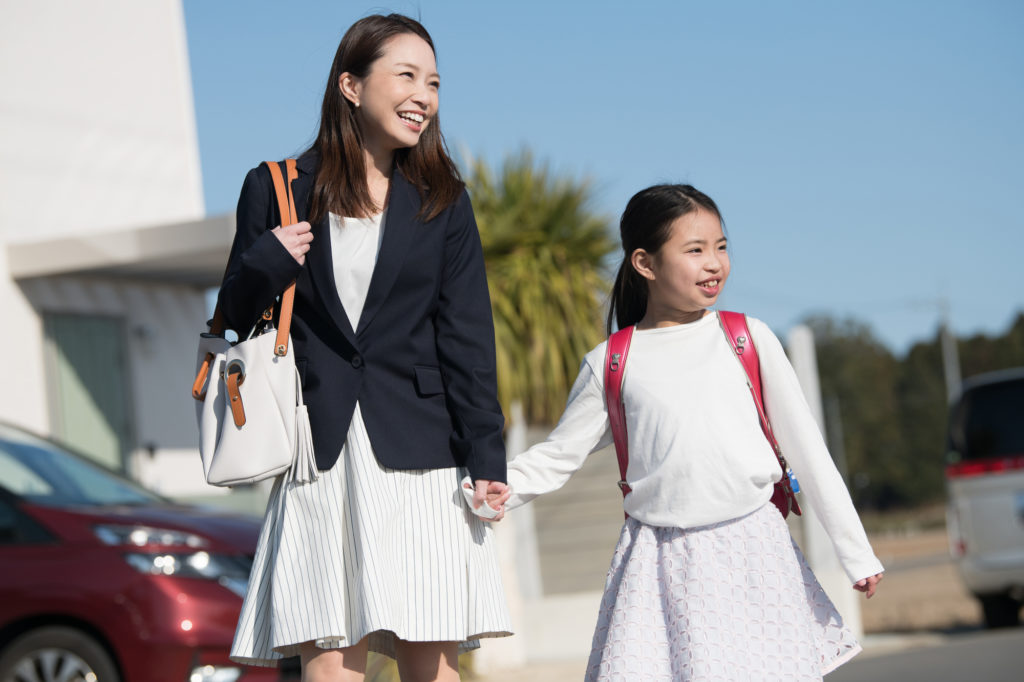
(804, 448)
(582, 429)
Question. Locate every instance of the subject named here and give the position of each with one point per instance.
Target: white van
(985, 482)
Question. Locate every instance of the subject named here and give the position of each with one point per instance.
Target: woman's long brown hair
(340, 186)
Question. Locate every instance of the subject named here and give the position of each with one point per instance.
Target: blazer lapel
(399, 228)
(319, 258)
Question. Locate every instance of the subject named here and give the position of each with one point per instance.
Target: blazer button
(357, 361)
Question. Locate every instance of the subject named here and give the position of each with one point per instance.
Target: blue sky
(868, 157)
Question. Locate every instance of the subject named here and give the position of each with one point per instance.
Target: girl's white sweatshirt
(697, 454)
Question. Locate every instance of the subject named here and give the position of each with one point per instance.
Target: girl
(705, 583)
(394, 342)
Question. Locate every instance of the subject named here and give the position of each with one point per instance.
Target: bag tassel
(303, 469)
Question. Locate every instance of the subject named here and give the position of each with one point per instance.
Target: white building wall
(22, 385)
(97, 123)
(162, 326)
(97, 133)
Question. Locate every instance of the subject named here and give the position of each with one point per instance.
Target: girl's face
(398, 96)
(687, 273)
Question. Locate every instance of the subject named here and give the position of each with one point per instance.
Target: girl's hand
(868, 585)
(492, 493)
(296, 239)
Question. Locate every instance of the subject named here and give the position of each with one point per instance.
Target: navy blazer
(421, 364)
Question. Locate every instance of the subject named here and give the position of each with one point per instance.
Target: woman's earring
(357, 105)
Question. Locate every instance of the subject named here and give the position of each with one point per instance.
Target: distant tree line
(893, 410)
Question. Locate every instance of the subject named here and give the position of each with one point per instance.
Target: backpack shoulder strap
(614, 370)
(736, 331)
(735, 327)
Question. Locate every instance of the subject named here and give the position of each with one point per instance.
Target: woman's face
(398, 96)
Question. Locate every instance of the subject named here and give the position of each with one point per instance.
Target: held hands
(493, 494)
(296, 238)
(868, 585)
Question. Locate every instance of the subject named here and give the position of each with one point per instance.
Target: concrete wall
(23, 398)
(97, 121)
(162, 324)
(97, 133)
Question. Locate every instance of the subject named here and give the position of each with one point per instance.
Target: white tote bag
(252, 421)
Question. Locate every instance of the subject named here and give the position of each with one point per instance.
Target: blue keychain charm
(795, 484)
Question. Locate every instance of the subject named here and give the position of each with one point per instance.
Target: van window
(989, 421)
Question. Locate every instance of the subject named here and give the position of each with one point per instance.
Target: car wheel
(56, 653)
(1000, 610)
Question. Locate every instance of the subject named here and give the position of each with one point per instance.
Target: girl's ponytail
(629, 297)
(647, 224)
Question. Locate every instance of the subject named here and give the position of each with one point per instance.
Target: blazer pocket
(428, 380)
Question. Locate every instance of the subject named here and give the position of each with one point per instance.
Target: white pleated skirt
(366, 551)
(731, 602)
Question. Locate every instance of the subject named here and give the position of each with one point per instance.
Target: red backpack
(735, 327)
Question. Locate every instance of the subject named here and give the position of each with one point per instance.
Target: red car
(102, 581)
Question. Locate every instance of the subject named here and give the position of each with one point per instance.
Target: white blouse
(355, 243)
(696, 451)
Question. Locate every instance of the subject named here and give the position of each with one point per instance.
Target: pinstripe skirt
(366, 551)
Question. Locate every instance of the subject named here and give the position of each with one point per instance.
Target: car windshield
(989, 421)
(41, 472)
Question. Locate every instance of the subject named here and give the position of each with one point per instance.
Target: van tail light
(981, 467)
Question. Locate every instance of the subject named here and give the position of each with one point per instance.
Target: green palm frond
(545, 251)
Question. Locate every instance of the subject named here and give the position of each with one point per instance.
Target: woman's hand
(868, 585)
(296, 238)
(492, 493)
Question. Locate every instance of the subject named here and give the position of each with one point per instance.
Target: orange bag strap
(286, 205)
(289, 216)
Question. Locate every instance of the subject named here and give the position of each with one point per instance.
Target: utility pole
(817, 546)
(950, 353)
(835, 437)
(947, 344)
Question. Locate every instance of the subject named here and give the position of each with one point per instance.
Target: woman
(394, 343)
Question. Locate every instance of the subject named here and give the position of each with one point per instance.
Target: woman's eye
(435, 84)
(406, 74)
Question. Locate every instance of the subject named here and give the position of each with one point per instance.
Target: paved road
(975, 656)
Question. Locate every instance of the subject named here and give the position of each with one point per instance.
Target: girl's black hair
(647, 224)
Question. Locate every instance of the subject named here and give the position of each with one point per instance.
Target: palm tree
(545, 251)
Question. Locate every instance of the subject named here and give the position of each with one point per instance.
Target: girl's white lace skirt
(731, 601)
(366, 551)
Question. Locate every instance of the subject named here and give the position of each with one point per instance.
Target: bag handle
(286, 206)
(289, 216)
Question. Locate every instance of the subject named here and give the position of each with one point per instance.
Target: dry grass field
(922, 589)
